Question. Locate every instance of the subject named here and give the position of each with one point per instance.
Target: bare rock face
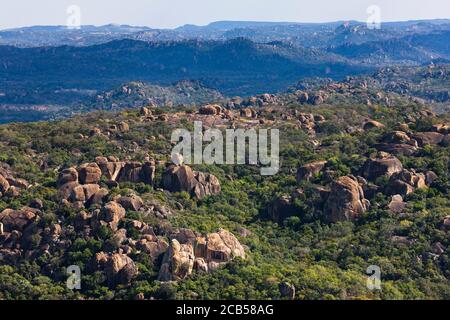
(4, 184)
(67, 176)
(398, 148)
(183, 235)
(210, 109)
(131, 172)
(317, 99)
(110, 167)
(248, 113)
(65, 190)
(405, 182)
(372, 124)
(137, 172)
(200, 265)
(123, 126)
(178, 262)
(179, 178)
(89, 173)
(112, 213)
(83, 193)
(183, 178)
(431, 138)
(222, 247)
(303, 97)
(207, 185)
(398, 137)
(10, 185)
(397, 205)
(398, 142)
(17, 219)
(430, 177)
(145, 112)
(119, 268)
(383, 165)
(131, 202)
(188, 251)
(309, 170)
(154, 246)
(346, 201)
(98, 197)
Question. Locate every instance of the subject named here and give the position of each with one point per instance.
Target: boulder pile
(183, 178)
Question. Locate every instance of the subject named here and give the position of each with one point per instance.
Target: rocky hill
(139, 94)
(359, 184)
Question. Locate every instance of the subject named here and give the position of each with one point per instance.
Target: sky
(173, 13)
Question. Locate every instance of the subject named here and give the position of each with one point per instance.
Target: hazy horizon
(215, 21)
(159, 14)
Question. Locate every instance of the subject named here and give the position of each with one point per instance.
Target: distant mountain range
(53, 67)
(234, 67)
(303, 34)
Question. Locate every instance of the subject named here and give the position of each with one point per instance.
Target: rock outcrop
(372, 124)
(17, 220)
(119, 268)
(112, 213)
(89, 173)
(4, 184)
(210, 109)
(178, 262)
(137, 172)
(428, 138)
(383, 165)
(183, 178)
(309, 170)
(202, 254)
(9, 184)
(397, 205)
(221, 247)
(398, 142)
(405, 182)
(346, 201)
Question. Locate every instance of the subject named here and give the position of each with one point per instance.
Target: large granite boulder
(210, 109)
(4, 184)
(222, 247)
(178, 262)
(131, 202)
(89, 173)
(110, 167)
(68, 175)
(112, 213)
(383, 165)
(183, 178)
(372, 124)
(137, 172)
(120, 269)
(430, 138)
(405, 182)
(17, 219)
(346, 201)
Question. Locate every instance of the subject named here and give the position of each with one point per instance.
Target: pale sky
(173, 13)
